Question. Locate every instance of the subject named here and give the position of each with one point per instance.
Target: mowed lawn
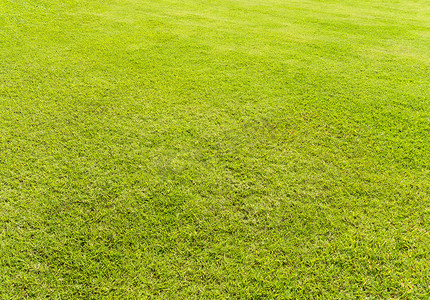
(225, 149)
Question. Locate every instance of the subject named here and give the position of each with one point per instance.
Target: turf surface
(214, 149)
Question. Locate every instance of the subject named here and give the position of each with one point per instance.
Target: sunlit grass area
(226, 149)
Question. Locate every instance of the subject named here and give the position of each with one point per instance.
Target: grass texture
(225, 149)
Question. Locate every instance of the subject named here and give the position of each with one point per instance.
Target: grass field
(225, 149)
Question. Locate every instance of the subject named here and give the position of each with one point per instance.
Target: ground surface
(214, 149)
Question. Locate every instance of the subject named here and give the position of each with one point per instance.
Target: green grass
(248, 149)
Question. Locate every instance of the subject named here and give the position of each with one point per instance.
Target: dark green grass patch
(222, 149)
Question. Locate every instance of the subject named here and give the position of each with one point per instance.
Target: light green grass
(248, 149)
